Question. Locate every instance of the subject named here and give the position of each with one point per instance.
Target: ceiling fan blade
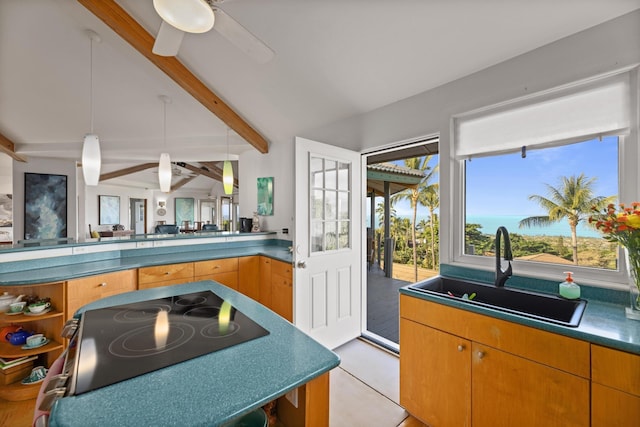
(241, 37)
(168, 40)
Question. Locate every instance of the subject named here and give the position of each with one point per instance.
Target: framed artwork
(6, 218)
(265, 196)
(185, 210)
(108, 210)
(45, 206)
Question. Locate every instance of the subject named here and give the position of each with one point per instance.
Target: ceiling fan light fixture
(164, 172)
(91, 159)
(191, 16)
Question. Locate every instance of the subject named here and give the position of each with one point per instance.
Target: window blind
(599, 107)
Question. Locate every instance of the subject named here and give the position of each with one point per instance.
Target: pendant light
(227, 171)
(164, 166)
(91, 160)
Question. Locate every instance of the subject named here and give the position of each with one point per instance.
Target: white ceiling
(334, 59)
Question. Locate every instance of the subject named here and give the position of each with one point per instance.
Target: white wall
(607, 47)
(278, 163)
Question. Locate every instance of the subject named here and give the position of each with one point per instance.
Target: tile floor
(365, 388)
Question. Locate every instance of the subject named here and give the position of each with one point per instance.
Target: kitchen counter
(72, 267)
(211, 389)
(602, 323)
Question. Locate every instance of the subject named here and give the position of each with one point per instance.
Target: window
(329, 198)
(538, 198)
(518, 160)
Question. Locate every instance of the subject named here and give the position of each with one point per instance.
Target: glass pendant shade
(227, 177)
(91, 160)
(191, 16)
(164, 173)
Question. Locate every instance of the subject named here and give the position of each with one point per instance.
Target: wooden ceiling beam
(127, 171)
(207, 173)
(131, 31)
(7, 146)
(182, 182)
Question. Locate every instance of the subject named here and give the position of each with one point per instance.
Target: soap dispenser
(568, 288)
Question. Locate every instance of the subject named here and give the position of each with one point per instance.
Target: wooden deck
(383, 304)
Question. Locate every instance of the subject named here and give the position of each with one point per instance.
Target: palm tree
(573, 199)
(413, 195)
(430, 198)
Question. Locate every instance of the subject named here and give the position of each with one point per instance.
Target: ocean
(491, 223)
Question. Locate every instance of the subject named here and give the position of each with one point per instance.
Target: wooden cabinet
(265, 281)
(49, 324)
(223, 271)
(615, 389)
(282, 289)
(518, 375)
(165, 275)
(88, 289)
(434, 394)
(249, 276)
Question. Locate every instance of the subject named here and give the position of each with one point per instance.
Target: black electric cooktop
(121, 342)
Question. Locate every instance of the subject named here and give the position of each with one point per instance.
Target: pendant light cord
(91, 82)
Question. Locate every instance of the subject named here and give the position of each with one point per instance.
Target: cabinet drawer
(616, 369)
(164, 273)
(281, 268)
(565, 353)
(215, 266)
(88, 289)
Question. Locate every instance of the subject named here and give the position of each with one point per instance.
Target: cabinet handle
(481, 354)
(216, 266)
(166, 272)
(460, 347)
(103, 284)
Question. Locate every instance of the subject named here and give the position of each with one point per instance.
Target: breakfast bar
(218, 387)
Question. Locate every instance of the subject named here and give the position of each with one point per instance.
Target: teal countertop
(602, 323)
(211, 389)
(72, 267)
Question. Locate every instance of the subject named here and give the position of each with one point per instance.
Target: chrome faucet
(503, 275)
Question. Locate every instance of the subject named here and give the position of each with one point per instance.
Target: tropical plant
(572, 200)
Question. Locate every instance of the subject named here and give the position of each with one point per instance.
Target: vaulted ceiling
(333, 59)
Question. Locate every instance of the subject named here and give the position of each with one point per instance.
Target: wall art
(45, 206)
(185, 210)
(265, 196)
(108, 210)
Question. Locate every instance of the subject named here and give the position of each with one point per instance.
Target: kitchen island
(217, 387)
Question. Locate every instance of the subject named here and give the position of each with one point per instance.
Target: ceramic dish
(13, 314)
(29, 347)
(28, 313)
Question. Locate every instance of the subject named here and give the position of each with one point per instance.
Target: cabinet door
(249, 276)
(435, 375)
(508, 390)
(88, 289)
(282, 295)
(615, 391)
(611, 407)
(265, 281)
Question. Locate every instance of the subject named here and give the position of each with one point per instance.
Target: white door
(327, 256)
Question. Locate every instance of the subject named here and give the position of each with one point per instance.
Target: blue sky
(501, 185)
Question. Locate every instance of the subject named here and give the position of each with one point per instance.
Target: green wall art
(265, 196)
(185, 210)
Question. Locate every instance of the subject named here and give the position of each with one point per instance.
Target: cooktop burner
(124, 341)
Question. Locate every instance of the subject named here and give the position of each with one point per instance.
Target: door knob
(301, 264)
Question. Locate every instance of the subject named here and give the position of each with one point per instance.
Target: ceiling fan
(199, 16)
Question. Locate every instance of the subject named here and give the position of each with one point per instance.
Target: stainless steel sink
(549, 308)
